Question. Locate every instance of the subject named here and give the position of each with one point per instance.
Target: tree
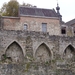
(27, 5)
(3, 9)
(10, 8)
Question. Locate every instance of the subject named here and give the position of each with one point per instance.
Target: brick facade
(33, 23)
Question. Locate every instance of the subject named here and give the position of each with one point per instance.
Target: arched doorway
(14, 51)
(69, 53)
(43, 53)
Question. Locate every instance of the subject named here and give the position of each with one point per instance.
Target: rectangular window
(74, 30)
(44, 27)
(63, 30)
(25, 27)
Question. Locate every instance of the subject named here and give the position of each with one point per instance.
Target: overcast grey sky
(67, 9)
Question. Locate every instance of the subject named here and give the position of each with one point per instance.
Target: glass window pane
(44, 27)
(25, 27)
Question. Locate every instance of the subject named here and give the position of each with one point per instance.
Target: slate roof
(71, 22)
(29, 11)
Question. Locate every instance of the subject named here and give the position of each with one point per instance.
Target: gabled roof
(71, 22)
(38, 12)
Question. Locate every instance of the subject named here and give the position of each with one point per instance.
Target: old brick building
(36, 43)
(34, 19)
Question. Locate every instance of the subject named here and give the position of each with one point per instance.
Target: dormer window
(63, 30)
(25, 27)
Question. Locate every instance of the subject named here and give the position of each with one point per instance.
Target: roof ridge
(37, 8)
(70, 22)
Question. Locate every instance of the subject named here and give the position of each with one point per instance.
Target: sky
(67, 9)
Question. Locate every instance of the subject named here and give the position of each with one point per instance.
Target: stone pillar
(29, 49)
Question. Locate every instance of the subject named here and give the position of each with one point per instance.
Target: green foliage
(27, 66)
(11, 8)
(48, 62)
(28, 5)
(3, 9)
(5, 57)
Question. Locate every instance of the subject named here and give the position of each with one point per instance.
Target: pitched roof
(29, 11)
(71, 22)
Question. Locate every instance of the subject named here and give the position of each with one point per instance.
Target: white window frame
(25, 26)
(44, 27)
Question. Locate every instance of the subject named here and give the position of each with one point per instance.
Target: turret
(58, 8)
(58, 13)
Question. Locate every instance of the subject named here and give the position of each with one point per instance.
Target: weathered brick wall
(36, 53)
(11, 23)
(34, 24)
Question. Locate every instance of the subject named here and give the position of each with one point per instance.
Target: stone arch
(69, 53)
(43, 53)
(14, 51)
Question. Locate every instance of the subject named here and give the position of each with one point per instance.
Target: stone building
(34, 19)
(68, 28)
(35, 43)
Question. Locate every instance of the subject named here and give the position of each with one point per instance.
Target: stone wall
(69, 30)
(35, 24)
(36, 53)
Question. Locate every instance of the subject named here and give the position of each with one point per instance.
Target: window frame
(73, 28)
(44, 27)
(25, 26)
(63, 30)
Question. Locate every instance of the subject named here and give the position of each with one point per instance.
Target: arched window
(25, 27)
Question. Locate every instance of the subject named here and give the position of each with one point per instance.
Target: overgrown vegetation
(5, 59)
